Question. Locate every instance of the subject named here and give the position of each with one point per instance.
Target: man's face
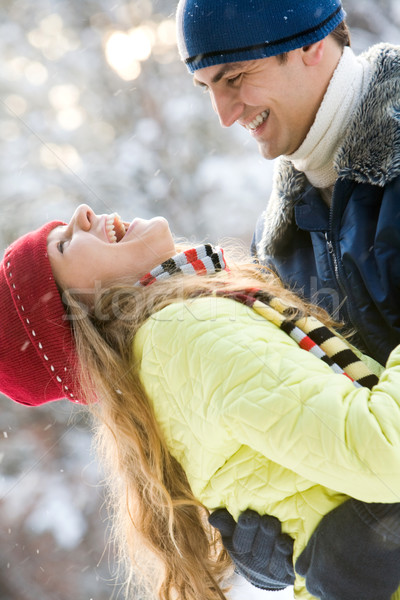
(275, 101)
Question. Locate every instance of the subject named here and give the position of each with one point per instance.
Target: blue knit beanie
(212, 32)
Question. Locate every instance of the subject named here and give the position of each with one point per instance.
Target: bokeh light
(16, 104)
(60, 156)
(52, 38)
(126, 50)
(36, 73)
(64, 96)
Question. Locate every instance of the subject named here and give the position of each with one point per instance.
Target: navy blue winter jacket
(347, 257)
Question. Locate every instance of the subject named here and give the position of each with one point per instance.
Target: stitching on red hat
(33, 332)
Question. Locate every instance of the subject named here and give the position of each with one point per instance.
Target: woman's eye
(60, 246)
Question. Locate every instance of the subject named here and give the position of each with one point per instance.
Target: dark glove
(354, 553)
(260, 552)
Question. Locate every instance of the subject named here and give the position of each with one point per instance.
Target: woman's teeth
(115, 228)
(258, 120)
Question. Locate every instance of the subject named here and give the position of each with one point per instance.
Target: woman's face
(97, 250)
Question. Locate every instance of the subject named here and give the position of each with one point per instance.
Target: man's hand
(260, 551)
(354, 553)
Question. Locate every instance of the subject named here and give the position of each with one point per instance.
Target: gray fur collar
(370, 153)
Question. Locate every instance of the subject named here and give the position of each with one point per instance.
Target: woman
(218, 390)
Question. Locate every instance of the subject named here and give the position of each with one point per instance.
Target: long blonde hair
(153, 509)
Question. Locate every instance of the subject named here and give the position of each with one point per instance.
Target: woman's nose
(83, 217)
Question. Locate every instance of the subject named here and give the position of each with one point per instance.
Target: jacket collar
(370, 152)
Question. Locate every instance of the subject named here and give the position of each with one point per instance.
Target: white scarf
(315, 155)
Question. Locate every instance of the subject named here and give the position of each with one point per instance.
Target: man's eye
(235, 79)
(202, 86)
(60, 246)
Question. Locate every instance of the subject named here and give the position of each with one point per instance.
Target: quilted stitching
(255, 421)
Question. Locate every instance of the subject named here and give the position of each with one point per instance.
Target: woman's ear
(313, 53)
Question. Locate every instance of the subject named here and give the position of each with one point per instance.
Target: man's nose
(228, 107)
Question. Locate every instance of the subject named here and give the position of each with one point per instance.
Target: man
(284, 70)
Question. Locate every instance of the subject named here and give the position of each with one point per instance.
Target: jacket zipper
(331, 251)
(336, 267)
(329, 243)
(343, 307)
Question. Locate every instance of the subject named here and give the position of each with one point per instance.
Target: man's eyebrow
(224, 70)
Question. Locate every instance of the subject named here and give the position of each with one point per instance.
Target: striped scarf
(308, 332)
(201, 260)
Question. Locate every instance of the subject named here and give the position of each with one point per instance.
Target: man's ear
(313, 53)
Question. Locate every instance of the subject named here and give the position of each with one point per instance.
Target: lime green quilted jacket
(256, 422)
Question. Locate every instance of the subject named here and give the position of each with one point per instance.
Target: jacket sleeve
(281, 401)
(319, 425)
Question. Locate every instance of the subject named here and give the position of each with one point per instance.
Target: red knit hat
(37, 350)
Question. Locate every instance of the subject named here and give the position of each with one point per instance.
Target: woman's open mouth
(115, 228)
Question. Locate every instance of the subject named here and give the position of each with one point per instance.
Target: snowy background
(95, 107)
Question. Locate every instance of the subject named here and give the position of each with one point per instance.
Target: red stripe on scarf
(347, 375)
(243, 298)
(191, 255)
(198, 266)
(147, 279)
(306, 343)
